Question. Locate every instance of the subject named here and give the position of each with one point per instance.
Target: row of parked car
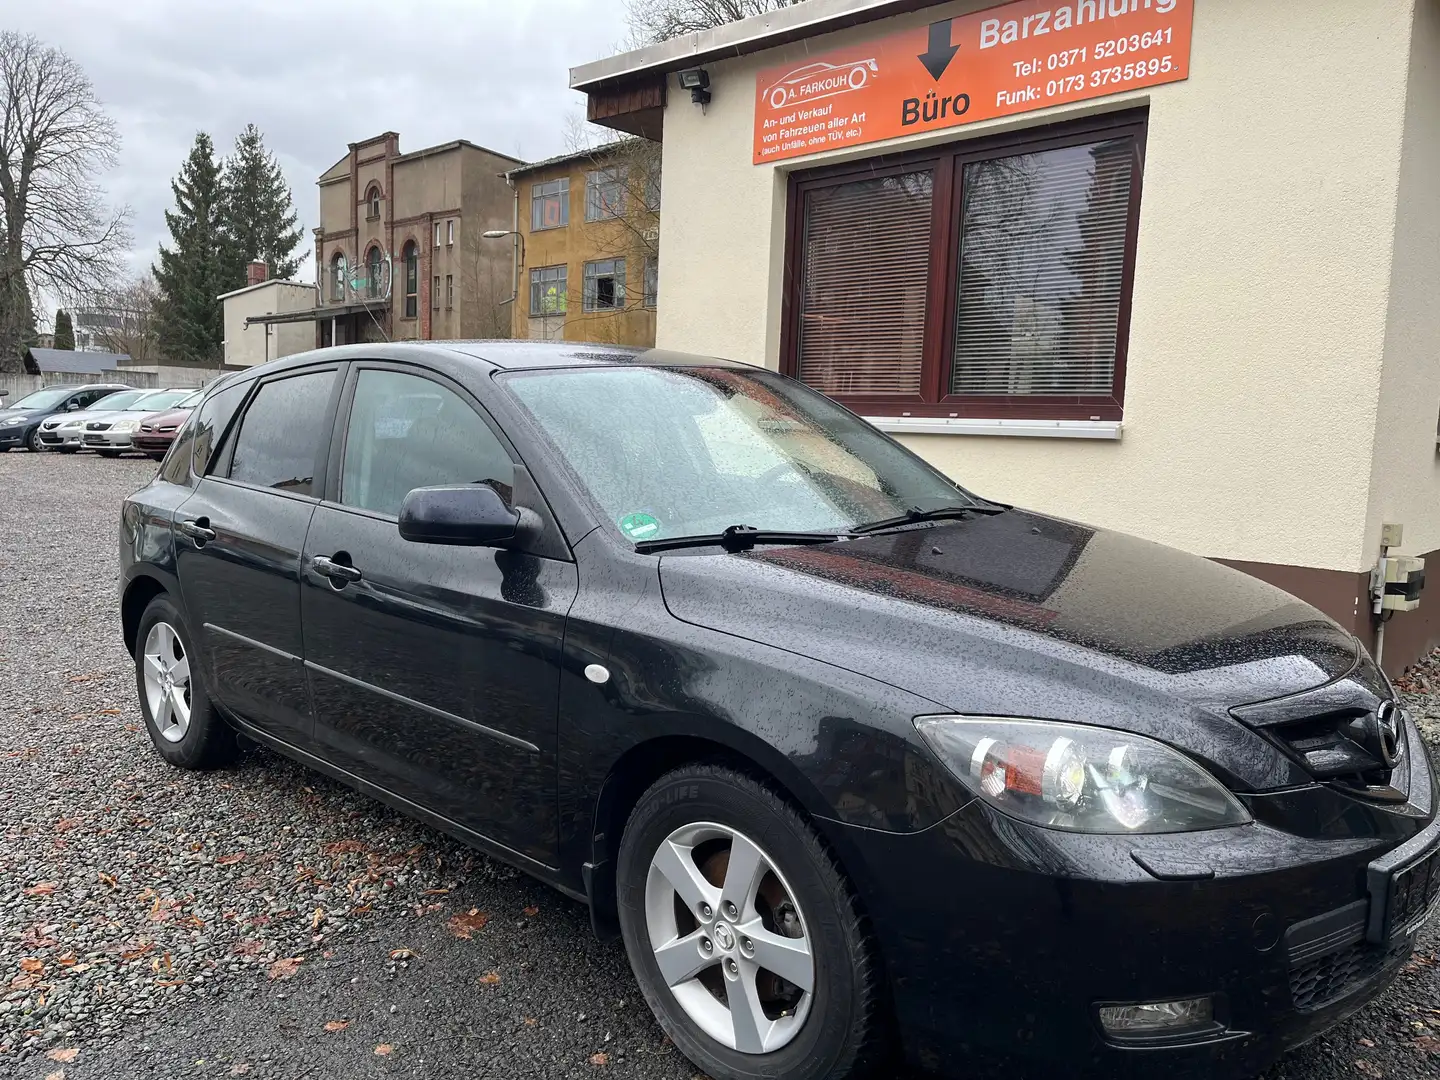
(109, 418)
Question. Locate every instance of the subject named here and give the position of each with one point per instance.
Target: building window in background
(550, 204)
(605, 193)
(412, 279)
(548, 290)
(1033, 320)
(604, 285)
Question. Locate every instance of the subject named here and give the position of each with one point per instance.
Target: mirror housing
(471, 515)
(74, 406)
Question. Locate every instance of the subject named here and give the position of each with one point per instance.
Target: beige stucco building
(1174, 270)
(248, 342)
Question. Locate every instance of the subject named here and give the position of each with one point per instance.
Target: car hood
(164, 419)
(1019, 614)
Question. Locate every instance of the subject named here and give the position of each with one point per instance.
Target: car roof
(503, 355)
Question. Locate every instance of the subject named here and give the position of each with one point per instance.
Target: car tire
(156, 457)
(32, 441)
(193, 735)
(108, 453)
(791, 890)
(68, 449)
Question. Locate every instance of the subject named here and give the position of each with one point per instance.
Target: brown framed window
(985, 278)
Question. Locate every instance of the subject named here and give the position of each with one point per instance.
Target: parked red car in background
(157, 431)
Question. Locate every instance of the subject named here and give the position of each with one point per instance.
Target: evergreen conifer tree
(199, 264)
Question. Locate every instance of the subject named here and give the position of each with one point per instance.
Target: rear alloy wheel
(183, 725)
(743, 932)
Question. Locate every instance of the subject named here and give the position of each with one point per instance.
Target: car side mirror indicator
(462, 514)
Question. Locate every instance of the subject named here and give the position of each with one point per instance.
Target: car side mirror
(462, 514)
(74, 406)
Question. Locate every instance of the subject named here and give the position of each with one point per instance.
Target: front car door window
(407, 432)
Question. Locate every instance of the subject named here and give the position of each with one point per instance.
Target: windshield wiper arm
(739, 538)
(915, 514)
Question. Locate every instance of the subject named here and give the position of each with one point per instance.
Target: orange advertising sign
(998, 62)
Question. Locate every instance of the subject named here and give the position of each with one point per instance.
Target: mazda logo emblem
(1383, 734)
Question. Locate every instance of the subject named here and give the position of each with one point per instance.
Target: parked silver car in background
(109, 434)
(65, 431)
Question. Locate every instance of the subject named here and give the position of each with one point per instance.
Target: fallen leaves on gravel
(317, 918)
(1369, 1068)
(601, 1058)
(402, 954)
(65, 1056)
(337, 1025)
(31, 965)
(230, 860)
(532, 910)
(384, 1049)
(58, 1074)
(45, 888)
(464, 926)
(247, 947)
(490, 978)
(137, 952)
(240, 1068)
(286, 968)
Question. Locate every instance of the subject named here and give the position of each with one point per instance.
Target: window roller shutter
(866, 261)
(1041, 271)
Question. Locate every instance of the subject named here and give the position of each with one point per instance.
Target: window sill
(1030, 429)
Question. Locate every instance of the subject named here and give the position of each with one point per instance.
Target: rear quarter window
(207, 430)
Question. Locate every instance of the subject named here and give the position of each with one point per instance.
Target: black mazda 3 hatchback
(854, 760)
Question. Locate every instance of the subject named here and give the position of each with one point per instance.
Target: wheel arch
(632, 774)
(138, 593)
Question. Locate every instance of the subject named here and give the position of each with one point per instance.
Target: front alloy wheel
(744, 933)
(729, 938)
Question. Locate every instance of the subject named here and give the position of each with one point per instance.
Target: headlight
(1078, 778)
(123, 426)
(9, 420)
(72, 424)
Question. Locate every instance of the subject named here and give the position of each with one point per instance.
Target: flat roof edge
(750, 35)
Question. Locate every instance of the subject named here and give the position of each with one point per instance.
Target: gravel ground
(267, 922)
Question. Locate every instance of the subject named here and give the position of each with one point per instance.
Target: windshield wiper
(738, 538)
(915, 514)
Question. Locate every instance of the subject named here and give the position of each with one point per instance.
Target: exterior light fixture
(697, 81)
(519, 260)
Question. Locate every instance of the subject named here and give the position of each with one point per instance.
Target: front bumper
(108, 440)
(152, 443)
(56, 438)
(1002, 940)
(13, 436)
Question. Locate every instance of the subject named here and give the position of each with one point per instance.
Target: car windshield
(158, 402)
(668, 452)
(41, 399)
(191, 401)
(115, 402)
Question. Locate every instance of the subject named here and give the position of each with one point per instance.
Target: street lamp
(500, 234)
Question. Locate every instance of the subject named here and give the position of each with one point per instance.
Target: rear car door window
(279, 437)
(406, 432)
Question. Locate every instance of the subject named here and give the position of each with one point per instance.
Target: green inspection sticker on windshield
(639, 526)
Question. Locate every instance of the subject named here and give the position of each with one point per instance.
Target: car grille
(97, 425)
(50, 425)
(147, 427)
(1329, 978)
(168, 429)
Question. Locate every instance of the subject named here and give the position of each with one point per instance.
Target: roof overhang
(318, 314)
(627, 92)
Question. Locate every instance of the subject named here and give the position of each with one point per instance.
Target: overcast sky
(317, 76)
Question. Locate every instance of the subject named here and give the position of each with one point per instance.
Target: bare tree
(119, 316)
(58, 233)
(658, 20)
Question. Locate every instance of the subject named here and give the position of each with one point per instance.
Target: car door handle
(200, 533)
(333, 570)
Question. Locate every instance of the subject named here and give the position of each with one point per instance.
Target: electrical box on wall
(1398, 581)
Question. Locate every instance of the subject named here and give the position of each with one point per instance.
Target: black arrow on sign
(940, 52)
